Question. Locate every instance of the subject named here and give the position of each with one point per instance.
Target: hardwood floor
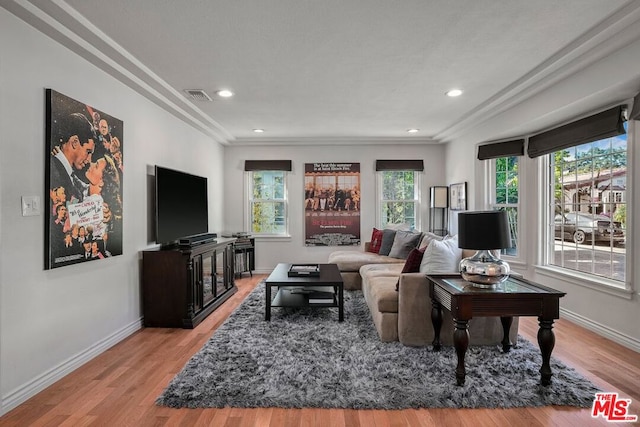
(118, 388)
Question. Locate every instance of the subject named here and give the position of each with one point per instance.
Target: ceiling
(329, 70)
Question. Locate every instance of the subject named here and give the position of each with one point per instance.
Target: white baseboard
(602, 330)
(39, 383)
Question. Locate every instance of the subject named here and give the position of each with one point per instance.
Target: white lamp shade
(439, 197)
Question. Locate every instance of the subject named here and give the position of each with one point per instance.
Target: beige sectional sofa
(405, 315)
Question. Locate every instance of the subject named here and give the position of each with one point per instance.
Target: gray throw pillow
(403, 243)
(387, 241)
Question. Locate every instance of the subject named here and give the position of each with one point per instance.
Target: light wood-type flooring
(118, 388)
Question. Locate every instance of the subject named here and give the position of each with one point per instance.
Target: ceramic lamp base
(484, 270)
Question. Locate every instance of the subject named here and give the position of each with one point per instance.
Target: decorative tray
(308, 270)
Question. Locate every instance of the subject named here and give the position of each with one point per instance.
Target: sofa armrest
(414, 310)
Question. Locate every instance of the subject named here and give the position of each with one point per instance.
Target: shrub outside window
(267, 203)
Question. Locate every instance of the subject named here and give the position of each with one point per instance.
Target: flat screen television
(181, 205)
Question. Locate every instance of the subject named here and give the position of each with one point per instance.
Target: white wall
(52, 321)
(269, 253)
(615, 78)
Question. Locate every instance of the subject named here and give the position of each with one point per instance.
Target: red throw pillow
(412, 264)
(376, 241)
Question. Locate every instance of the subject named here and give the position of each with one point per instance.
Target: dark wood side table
(513, 297)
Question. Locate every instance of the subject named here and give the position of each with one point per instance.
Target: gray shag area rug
(306, 358)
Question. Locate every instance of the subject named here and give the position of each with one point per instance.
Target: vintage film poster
(332, 204)
(83, 182)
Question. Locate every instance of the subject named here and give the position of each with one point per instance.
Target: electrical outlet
(30, 205)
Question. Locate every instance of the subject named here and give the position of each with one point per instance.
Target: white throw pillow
(442, 257)
(427, 237)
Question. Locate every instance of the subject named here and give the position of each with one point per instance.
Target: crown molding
(613, 33)
(62, 23)
(322, 141)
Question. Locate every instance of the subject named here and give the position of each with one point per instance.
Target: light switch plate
(30, 205)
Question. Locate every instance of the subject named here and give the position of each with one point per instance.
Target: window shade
(501, 149)
(399, 165)
(635, 112)
(593, 128)
(267, 165)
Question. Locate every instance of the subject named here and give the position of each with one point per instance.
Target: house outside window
(399, 198)
(588, 217)
(267, 202)
(505, 195)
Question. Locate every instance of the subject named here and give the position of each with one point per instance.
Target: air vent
(198, 95)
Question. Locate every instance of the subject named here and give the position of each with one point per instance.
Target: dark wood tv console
(182, 285)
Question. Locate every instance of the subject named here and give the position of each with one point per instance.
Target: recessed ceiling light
(258, 130)
(413, 130)
(454, 92)
(225, 93)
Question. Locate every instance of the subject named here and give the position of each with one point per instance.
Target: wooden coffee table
(289, 292)
(514, 297)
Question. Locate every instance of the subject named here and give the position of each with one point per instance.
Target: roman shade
(501, 149)
(267, 165)
(399, 165)
(593, 128)
(635, 112)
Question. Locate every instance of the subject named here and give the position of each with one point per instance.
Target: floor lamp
(439, 203)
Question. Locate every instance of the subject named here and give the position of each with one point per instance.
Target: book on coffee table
(321, 295)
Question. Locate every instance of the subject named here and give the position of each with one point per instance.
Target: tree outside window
(267, 202)
(399, 201)
(506, 196)
(589, 215)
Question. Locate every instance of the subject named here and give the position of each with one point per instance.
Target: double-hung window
(398, 183)
(587, 227)
(504, 183)
(505, 195)
(267, 213)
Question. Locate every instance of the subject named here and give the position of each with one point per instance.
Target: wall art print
(83, 182)
(458, 196)
(332, 204)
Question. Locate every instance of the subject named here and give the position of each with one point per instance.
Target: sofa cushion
(376, 241)
(427, 237)
(382, 293)
(388, 236)
(353, 260)
(403, 243)
(379, 270)
(441, 257)
(412, 264)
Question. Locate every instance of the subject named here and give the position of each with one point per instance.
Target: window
(399, 197)
(505, 195)
(588, 216)
(267, 202)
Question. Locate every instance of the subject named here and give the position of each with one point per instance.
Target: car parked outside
(582, 227)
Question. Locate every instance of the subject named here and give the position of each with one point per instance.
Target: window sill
(272, 237)
(575, 278)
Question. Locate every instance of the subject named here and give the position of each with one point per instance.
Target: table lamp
(484, 231)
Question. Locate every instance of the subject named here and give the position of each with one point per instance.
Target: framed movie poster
(83, 182)
(458, 196)
(332, 204)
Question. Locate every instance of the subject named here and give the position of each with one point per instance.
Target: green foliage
(398, 194)
(506, 180)
(621, 215)
(267, 206)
